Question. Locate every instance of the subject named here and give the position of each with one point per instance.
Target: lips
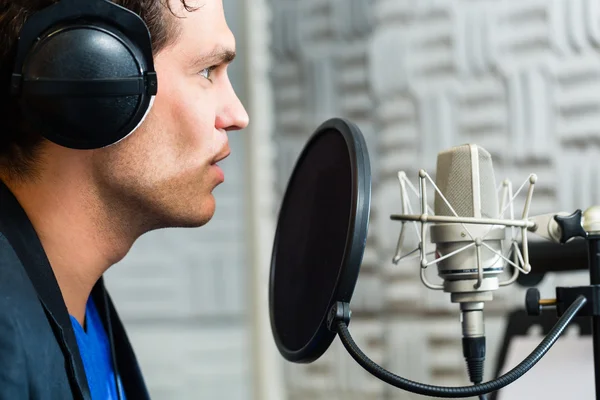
(221, 155)
(219, 172)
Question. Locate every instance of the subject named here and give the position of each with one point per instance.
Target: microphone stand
(585, 225)
(594, 262)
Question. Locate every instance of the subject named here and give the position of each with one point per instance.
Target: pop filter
(320, 239)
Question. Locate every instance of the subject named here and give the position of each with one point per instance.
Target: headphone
(84, 73)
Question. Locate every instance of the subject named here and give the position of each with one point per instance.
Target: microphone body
(467, 188)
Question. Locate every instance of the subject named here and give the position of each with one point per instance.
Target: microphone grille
(465, 176)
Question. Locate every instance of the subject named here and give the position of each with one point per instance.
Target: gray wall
(519, 78)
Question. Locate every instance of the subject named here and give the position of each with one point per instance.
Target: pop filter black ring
(356, 237)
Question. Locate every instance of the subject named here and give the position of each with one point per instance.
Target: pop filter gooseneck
(320, 239)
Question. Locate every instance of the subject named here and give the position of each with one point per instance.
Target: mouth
(221, 156)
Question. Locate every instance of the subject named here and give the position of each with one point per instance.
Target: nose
(232, 115)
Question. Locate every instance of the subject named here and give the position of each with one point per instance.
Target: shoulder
(13, 376)
(29, 351)
(13, 290)
(19, 302)
(15, 285)
(22, 317)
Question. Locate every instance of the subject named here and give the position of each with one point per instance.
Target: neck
(81, 238)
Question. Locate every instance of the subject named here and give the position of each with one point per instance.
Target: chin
(200, 216)
(180, 210)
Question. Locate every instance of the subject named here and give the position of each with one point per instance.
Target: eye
(206, 72)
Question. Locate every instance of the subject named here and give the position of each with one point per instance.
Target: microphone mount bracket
(565, 296)
(571, 226)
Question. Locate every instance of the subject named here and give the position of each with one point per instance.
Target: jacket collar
(19, 231)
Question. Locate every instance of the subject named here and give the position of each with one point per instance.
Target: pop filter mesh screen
(311, 240)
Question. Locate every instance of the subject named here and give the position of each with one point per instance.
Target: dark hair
(20, 144)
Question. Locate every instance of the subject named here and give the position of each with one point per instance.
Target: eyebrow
(218, 56)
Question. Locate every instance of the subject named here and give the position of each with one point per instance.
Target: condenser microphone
(470, 232)
(466, 182)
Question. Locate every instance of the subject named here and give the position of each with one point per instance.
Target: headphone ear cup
(72, 116)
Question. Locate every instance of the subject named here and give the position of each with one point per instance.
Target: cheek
(186, 113)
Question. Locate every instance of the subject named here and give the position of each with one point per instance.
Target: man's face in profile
(166, 170)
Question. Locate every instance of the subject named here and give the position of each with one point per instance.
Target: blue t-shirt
(95, 353)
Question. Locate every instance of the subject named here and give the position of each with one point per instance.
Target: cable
(464, 391)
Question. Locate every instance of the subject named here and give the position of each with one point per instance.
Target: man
(68, 215)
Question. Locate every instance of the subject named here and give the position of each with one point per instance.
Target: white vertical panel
(260, 174)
